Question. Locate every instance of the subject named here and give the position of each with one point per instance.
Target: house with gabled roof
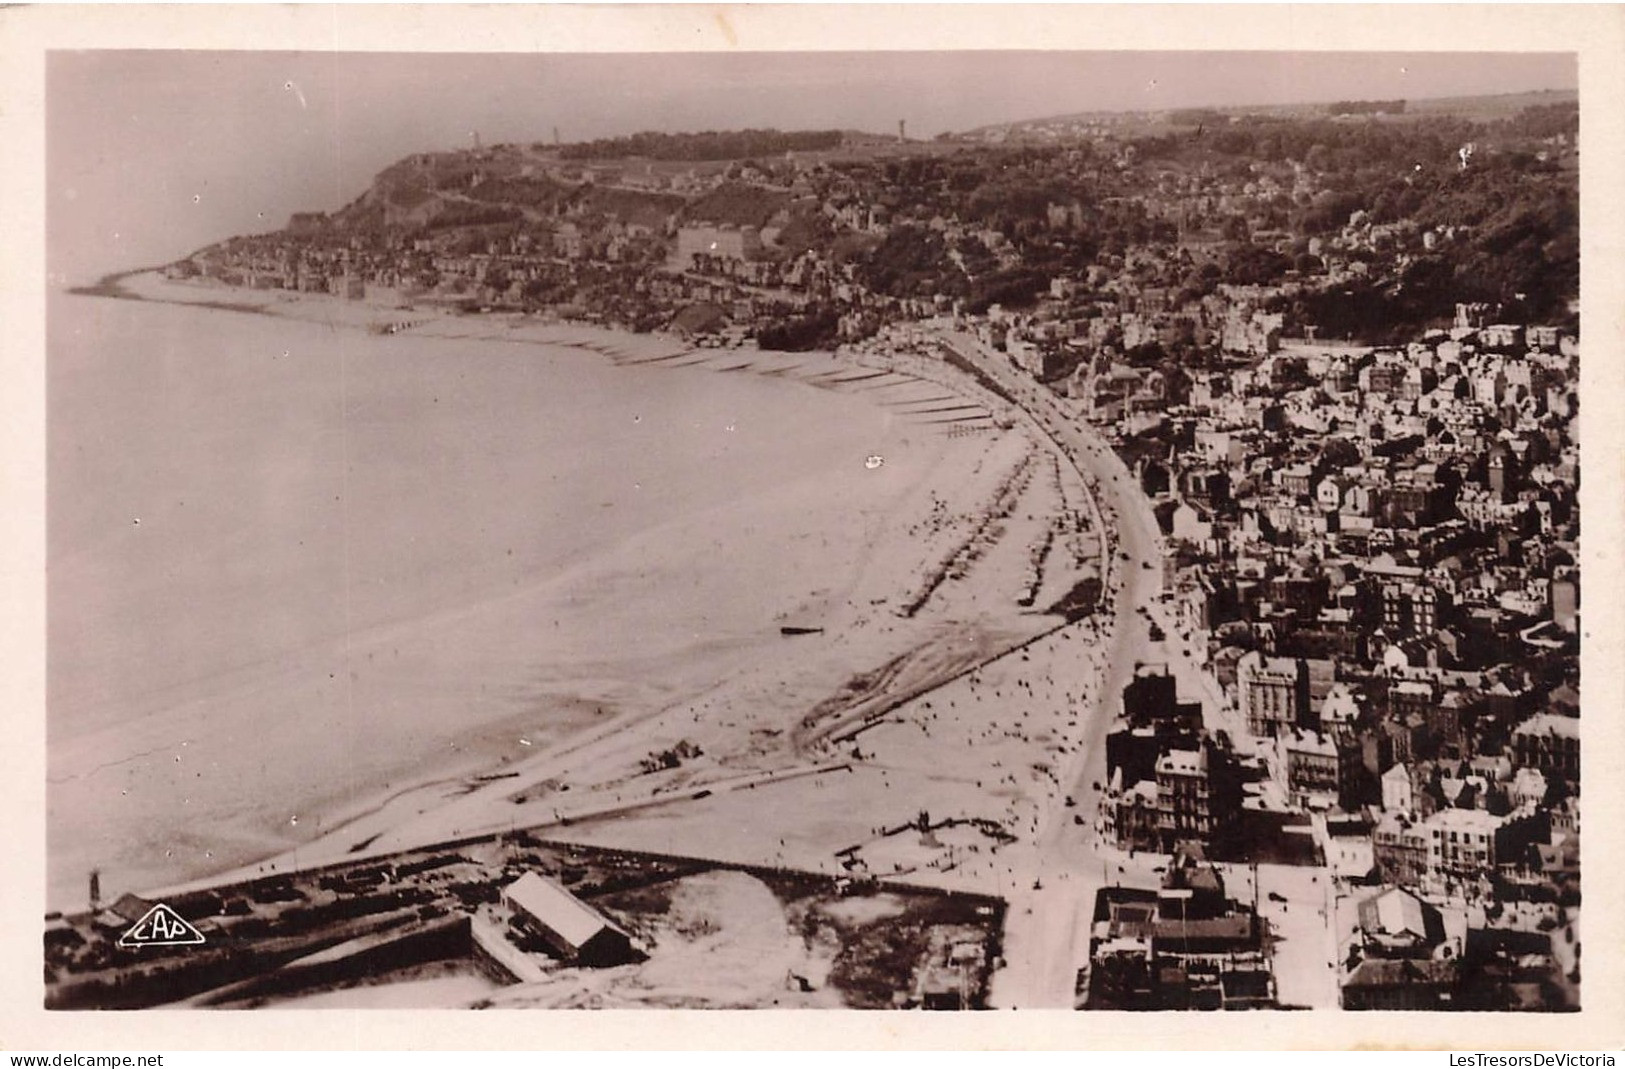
(570, 928)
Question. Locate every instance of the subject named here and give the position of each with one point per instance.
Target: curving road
(1052, 878)
(1047, 931)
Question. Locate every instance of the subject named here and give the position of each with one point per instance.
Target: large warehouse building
(572, 930)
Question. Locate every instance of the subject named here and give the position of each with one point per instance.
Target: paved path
(1048, 881)
(1047, 933)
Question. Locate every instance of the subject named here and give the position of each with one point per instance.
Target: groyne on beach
(731, 696)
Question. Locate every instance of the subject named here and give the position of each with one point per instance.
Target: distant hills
(1383, 189)
(708, 145)
(1480, 109)
(647, 179)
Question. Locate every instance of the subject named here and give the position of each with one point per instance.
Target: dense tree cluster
(1505, 212)
(464, 214)
(1325, 145)
(1366, 107)
(913, 261)
(738, 204)
(709, 145)
(819, 329)
(1543, 121)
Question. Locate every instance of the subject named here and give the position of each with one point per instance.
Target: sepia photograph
(1037, 528)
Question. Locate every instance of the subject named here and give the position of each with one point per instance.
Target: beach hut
(570, 928)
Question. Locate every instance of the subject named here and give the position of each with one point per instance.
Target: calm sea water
(270, 545)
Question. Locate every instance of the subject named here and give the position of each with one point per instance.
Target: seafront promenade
(1047, 925)
(1030, 702)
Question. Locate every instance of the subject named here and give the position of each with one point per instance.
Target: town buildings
(1371, 546)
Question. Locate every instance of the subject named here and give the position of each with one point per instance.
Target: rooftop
(1398, 912)
(1473, 820)
(1181, 762)
(1565, 727)
(547, 901)
(1396, 972)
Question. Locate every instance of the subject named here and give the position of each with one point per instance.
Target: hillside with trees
(709, 145)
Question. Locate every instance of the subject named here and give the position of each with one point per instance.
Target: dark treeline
(1366, 107)
(819, 329)
(709, 145)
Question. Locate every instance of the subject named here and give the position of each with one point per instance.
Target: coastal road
(457, 808)
(1046, 934)
(1051, 879)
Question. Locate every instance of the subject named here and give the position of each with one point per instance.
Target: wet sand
(368, 563)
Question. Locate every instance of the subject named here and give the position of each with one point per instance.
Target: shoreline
(148, 284)
(352, 819)
(112, 285)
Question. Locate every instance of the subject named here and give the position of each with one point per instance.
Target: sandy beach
(315, 588)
